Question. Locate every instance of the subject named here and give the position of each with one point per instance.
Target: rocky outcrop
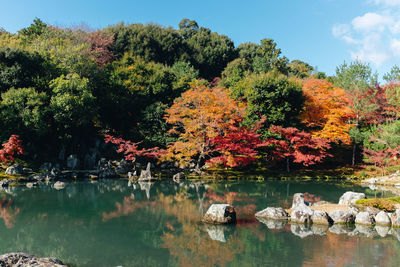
(382, 218)
(298, 200)
(321, 217)
(220, 214)
(27, 260)
(365, 218)
(15, 169)
(145, 175)
(341, 216)
(301, 214)
(350, 198)
(273, 213)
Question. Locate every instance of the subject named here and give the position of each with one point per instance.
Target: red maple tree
(382, 158)
(11, 148)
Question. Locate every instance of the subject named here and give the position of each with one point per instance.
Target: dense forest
(190, 97)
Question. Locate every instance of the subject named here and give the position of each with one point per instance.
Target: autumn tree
(291, 144)
(198, 116)
(11, 148)
(326, 111)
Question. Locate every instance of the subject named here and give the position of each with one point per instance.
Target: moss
(385, 204)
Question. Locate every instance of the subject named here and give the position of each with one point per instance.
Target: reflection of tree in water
(7, 213)
(125, 208)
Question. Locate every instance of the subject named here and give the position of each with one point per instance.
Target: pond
(113, 223)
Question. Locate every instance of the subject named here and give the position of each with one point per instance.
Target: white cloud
(386, 2)
(395, 47)
(371, 21)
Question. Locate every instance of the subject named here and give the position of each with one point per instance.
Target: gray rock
(340, 229)
(59, 185)
(350, 198)
(382, 218)
(301, 214)
(341, 216)
(365, 218)
(381, 230)
(220, 214)
(31, 184)
(298, 200)
(72, 162)
(27, 170)
(273, 224)
(27, 260)
(146, 174)
(301, 230)
(273, 213)
(15, 169)
(321, 217)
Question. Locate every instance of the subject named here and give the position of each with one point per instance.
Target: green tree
(300, 69)
(393, 74)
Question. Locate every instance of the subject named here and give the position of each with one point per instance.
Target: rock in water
(273, 213)
(298, 200)
(178, 176)
(341, 216)
(321, 217)
(350, 198)
(145, 174)
(301, 214)
(382, 218)
(23, 259)
(365, 218)
(59, 185)
(396, 218)
(220, 214)
(72, 162)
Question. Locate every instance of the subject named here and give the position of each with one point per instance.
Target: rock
(146, 174)
(32, 184)
(340, 229)
(273, 213)
(27, 170)
(15, 169)
(381, 230)
(93, 177)
(298, 200)
(59, 185)
(373, 211)
(341, 216)
(395, 218)
(27, 260)
(382, 218)
(273, 224)
(301, 230)
(321, 217)
(220, 214)
(72, 162)
(45, 166)
(301, 214)
(4, 183)
(365, 218)
(350, 198)
(178, 176)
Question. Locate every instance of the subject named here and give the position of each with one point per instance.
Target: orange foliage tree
(198, 116)
(326, 111)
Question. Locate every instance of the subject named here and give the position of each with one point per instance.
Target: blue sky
(323, 33)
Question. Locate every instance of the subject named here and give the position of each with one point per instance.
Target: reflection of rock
(177, 177)
(319, 229)
(382, 230)
(33, 184)
(273, 224)
(273, 213)
(301, 230)
(350, 198)
(340, 229)
(365, 218)
(220, 214)
(301, 214)
(395, 232)
(146, 186)
(298, 200)
(59, 185)
(4, 183)
(321, 217)
(382, 218)
(341, 216)
(366, 230)
(219, 232)
(22, 259)
(395, 218)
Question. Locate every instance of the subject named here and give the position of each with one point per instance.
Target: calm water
(109, 223)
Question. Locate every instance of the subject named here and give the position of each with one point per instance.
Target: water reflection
(109, 223)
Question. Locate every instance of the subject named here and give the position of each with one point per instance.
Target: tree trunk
(353, 159)
(287, 164)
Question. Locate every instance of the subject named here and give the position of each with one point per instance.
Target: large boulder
(146, 174)
(273, 213)
(59, 185)
(72, 162)
(220, 214)
(382, 218)
(341, 216)
(298, 200)
(15, 169)
(321, 217)
(365, 218)
(301, 214)
(350, 198)
(27, 260)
